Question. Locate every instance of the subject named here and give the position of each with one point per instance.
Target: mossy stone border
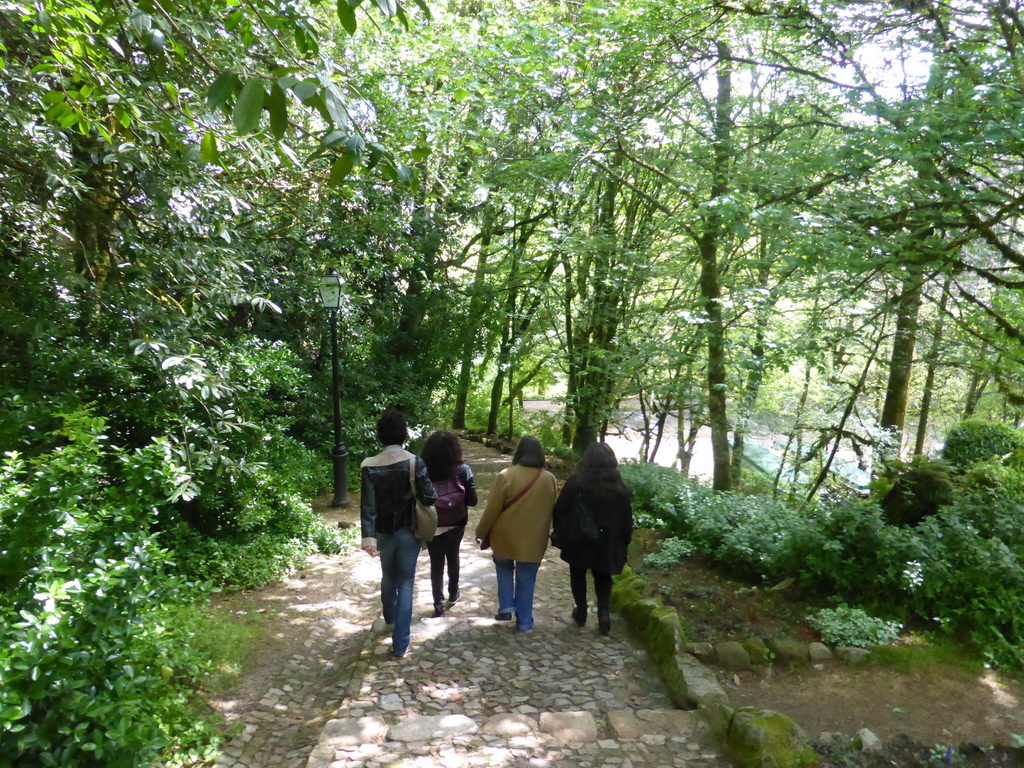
(754, 738)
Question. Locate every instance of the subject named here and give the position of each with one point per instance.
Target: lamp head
(331, 290)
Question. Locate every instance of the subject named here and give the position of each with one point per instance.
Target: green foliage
(978, 440)
(655, 490)
(94, 669)
(919, 489)
(669, 552)
(961, 570)
(844, 625)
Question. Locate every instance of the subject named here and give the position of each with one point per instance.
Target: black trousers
(445, 549)
(602, 587)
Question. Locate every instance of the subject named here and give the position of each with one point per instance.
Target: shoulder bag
(426, 515)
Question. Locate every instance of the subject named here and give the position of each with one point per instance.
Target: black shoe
(503, 616)
(579, 615)
(438, 610)
(454, 598)
(604, 621)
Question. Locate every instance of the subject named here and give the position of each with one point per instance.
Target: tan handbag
(426, 515)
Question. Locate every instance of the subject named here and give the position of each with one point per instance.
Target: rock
(732, 655)
(825, 738)
(567, 727)
(702, 687)
(391, 702)
(624, 723)
(508, 726)
(663, 634)
(756, 649)
(703, 651)
(667, 722)
(852, 656)
(868, 741)
(788, 650)
(819, 653)
(760, 738)
(431, 727)
(353, 731)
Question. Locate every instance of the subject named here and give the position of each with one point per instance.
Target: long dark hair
(529, 453)
(442, 453)
(598, 473)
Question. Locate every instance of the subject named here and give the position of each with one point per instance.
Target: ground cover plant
(959, 572)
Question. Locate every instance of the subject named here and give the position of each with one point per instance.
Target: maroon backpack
(451, 502)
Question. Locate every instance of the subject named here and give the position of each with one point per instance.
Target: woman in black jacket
(391, 482)
(456, 492)
(593, 525)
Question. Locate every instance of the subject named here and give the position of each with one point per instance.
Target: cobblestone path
(471, 691)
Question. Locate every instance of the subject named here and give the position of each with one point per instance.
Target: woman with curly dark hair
(593, 525)
(456, 492)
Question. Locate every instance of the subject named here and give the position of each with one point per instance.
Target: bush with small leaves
(978, 440)
(844, 625)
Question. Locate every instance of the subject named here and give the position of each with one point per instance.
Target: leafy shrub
(669, 552)
(655, 489)
(852, 626)
(994, 475)
(977, 440)
(94, 670)
(961, 569)
(919, 489)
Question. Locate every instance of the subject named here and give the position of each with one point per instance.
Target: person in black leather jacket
(387, 513)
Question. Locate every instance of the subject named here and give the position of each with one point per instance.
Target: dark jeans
(442, 549)
(602, 587)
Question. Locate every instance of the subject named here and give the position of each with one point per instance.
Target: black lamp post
(331, 294)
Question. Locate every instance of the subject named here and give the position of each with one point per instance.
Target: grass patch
(233, 641)
(915, 652)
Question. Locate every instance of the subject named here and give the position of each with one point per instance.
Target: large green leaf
(249, 106)
(347, 16)
(223, 89)
(278, 108)
(336, 108)
(209, 154)
(388, 7)
(341, 168)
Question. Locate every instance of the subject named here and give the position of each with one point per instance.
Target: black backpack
(578, 527)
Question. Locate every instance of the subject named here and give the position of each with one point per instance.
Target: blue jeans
(398, 554)
(516, 581)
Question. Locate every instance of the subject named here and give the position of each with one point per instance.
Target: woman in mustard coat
(516, 524)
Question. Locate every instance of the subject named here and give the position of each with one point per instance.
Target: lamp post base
(340, 460)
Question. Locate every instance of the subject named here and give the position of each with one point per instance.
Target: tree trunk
(709, 278)
(929, 382)
(897, 391)
(978, 383)
(469, 332)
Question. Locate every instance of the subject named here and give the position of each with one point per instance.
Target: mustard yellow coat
(521, 531)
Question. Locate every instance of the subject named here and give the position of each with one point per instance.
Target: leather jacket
(386, 501)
